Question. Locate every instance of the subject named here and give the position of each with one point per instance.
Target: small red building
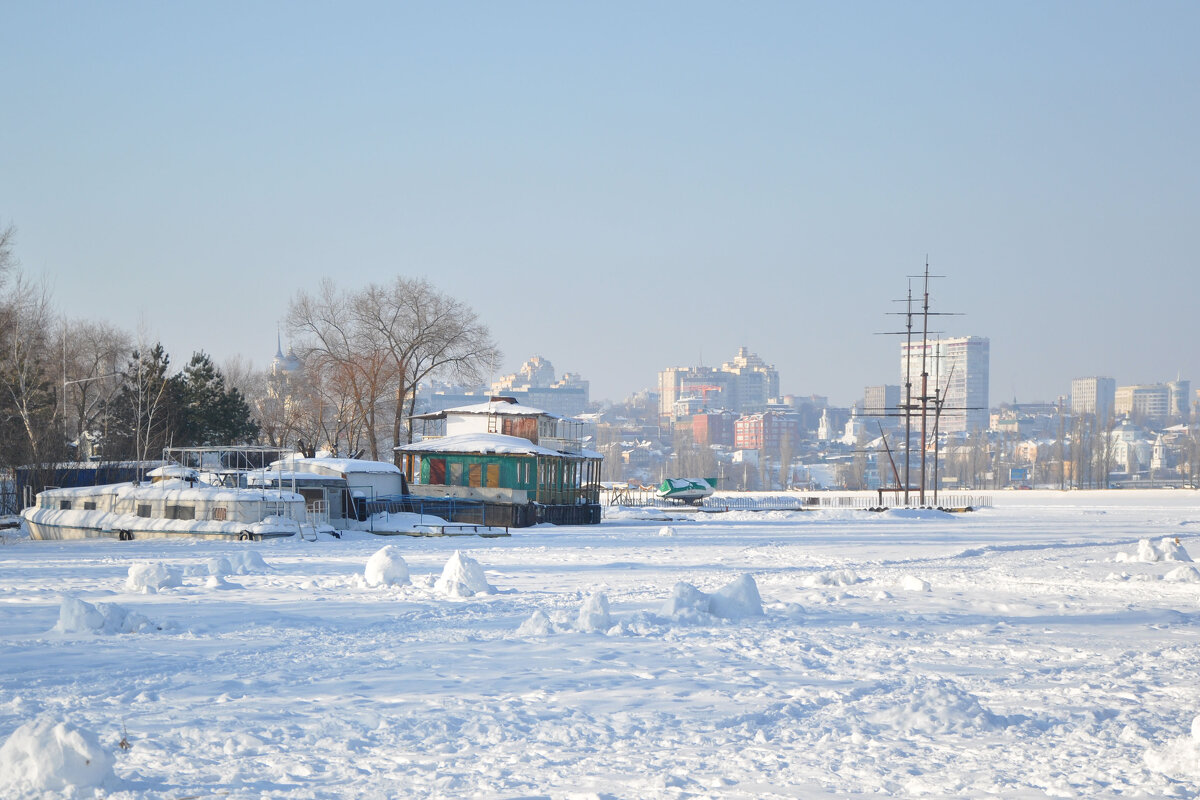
(714, 427)
(765, 431)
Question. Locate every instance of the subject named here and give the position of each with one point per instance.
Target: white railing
(318, 512)
(561, 445)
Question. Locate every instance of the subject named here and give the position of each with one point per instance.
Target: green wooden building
(553, 477)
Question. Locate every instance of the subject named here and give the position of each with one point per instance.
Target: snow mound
(911, 583)
(538, 624)
(841, 577)
(149, 578)
(685, 602)
(47, 756)
(666, 530)
(463, 577)
(219, 567)
(219, 582)
(76, 616)
(1169, 549)
(593, 614)
(245, 562)
(386, 567)
(933, 707)
(1180, 757)
(735, 600)
(1183, 575)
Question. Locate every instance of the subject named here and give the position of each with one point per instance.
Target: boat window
(143, 509)
(89, 505)
(456, 474)
(218, 513)
(64, 505)
(181, 512)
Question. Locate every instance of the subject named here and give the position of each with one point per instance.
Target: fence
(457, 509)
(10, 501)
(484, 513)
(793, 502)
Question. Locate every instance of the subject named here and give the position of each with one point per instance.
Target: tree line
(74, 389)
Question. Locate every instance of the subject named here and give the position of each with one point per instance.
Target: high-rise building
(535, 385)
(744, 385)
(1145, 403)
(1093, 396)
(957, 374)
(881, 401)
(754, 383)
(675, 383)
(1178, 401)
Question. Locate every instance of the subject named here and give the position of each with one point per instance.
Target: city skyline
(640, 186)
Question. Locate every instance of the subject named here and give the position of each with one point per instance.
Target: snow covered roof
(171, 488)
(341, 465)
(174, 471)
(509, 408)
(259, 477)
(492, 443)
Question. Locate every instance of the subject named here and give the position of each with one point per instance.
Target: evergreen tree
(211, 413)
(193, 408)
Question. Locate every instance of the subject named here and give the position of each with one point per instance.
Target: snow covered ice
(792, 654)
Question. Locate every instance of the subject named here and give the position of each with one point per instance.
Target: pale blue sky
(623, 187)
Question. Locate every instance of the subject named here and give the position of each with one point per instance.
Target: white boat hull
(44, 529)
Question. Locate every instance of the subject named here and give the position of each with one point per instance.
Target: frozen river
(1029, 649)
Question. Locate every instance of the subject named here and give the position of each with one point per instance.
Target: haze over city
(624, 188)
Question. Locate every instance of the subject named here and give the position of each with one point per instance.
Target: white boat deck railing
(561, 445)
(318, 512)
(647, 496)
(549, 442)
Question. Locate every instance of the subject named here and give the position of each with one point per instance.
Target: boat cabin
(335, 490)
(501, 452)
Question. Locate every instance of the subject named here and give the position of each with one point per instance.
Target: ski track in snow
(1035, 664)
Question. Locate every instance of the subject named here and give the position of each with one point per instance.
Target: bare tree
(240, 374)
(343, 356)
(787, 452)
(8, 259)
(27, 389)
(92, 354)
(426, 333)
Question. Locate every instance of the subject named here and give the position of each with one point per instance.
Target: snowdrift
(733, 601)
(49, 756)
(77, 616)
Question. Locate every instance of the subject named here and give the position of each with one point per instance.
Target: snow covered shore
(1036, 648)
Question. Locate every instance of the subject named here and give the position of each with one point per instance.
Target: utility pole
(924, 374)
(908, 392)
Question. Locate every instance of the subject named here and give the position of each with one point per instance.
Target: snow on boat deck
(1007, 652)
